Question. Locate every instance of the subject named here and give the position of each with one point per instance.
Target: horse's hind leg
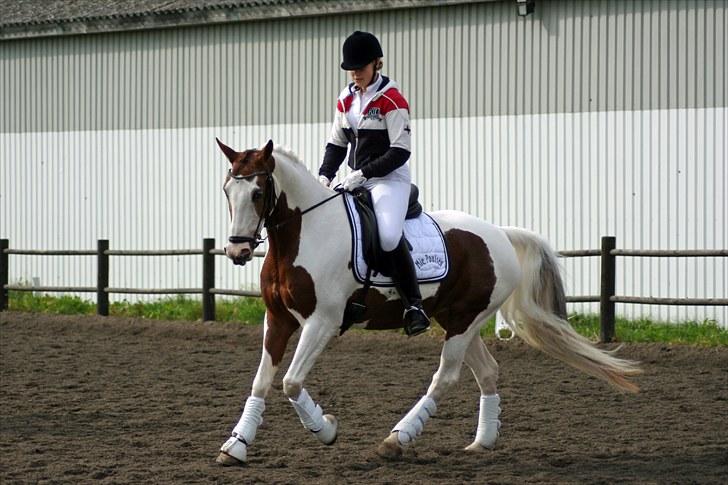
(485, 370)
(410, 427)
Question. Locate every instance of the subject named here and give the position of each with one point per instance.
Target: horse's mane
(288, 152)
(291, 156)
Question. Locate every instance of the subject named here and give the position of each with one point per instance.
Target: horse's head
(251, 197)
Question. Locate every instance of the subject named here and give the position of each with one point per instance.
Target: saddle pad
(429, 252)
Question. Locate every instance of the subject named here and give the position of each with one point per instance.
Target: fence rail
(673, 253)
(606, 298)
(51, 289)
(52, 252)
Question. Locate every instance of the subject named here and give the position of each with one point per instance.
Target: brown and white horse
(306, 282)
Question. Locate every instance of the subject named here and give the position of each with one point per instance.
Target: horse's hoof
(390, 447)
(328, 434)
(475, 447)
(226, 460)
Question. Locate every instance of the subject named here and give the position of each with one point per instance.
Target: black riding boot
(405, 278)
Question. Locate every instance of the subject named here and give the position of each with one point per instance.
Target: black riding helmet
(360, 48)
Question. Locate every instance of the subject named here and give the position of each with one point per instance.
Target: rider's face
(363, 77)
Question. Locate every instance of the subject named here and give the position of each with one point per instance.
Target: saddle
(371, 249)
(373, 254)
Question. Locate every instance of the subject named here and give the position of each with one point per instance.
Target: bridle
(269, 205)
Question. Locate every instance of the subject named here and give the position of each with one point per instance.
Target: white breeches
(390, 198)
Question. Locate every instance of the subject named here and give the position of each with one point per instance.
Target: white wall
(654, 179)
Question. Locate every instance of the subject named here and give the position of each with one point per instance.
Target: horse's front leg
(276, 332)
(315, 335)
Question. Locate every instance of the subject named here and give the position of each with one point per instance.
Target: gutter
(206, 15)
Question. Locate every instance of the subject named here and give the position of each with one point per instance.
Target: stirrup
(417, 321)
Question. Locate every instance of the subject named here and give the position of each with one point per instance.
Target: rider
(373, 117)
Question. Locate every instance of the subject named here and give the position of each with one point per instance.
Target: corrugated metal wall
(585, 119)
(457, 61)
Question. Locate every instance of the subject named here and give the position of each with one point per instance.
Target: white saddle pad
(429, 252)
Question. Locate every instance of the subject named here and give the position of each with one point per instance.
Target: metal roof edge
(205, 16)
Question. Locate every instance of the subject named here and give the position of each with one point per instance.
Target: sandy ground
(112, 400)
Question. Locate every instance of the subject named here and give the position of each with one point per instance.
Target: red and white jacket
(381, 142)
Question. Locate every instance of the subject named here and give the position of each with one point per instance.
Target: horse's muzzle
(239, 253)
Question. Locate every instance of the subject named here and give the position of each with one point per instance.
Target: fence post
(102, 278)
(4, 272)
(208, 279)
(606, 305)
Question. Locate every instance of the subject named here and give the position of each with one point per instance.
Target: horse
(306, 282)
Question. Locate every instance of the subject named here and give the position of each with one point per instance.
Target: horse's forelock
(236, 166)
(248, 162)
(251, 160)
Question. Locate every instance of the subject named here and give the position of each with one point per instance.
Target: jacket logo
(373, 114)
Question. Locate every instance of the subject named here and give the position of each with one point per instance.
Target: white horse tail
(536, 311)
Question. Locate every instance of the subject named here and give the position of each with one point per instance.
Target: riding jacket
(381, 141)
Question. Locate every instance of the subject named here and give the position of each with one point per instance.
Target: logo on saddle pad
(373, 114)
(421, 261)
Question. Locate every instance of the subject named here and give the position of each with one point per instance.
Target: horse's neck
(297, 192)
(292, 178)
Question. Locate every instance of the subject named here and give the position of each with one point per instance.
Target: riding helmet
(360, 48)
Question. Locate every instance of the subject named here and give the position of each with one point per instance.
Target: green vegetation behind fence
(251, 310)
(244, 310)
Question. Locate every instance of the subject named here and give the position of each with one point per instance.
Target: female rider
(373, 117)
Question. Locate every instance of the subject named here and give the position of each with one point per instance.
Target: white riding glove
(353, 180)
(324, 180)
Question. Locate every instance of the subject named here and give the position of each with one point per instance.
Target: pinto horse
(307, 282)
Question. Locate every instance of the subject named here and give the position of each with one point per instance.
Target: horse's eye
(257, 195)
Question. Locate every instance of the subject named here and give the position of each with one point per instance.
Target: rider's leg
(403, 272)
(390, 199)
(314, 337)
(276, 333)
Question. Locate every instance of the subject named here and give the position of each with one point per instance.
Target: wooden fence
(607, 298)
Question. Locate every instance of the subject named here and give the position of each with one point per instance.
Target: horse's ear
(267, 150)
(229, 152)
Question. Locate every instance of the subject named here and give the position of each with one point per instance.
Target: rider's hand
(353, 180)
(324, 180)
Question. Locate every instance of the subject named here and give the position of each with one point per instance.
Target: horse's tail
(537, 312)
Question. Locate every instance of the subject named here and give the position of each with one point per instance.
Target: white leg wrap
(235, 448)
(312, 418)
(244, 432)
(488, 422)
(410, 427)
(311, 414)
(250, 420)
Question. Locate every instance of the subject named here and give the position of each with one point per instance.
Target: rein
(337, 194)
(271, 201)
